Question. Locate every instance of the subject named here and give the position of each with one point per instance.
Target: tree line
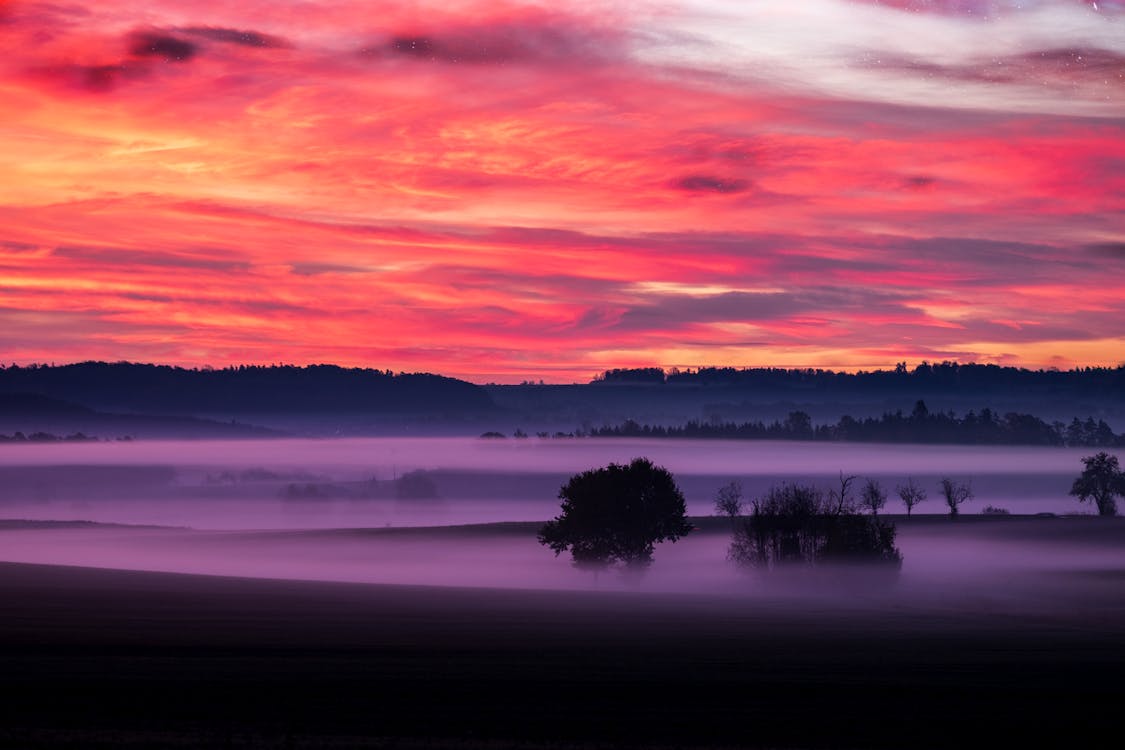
(47, 437)
(617, 514)
(937, 377)
(920, 426)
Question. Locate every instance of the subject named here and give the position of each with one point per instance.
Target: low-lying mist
(380, 482)
(394, 511)
(1023, 565)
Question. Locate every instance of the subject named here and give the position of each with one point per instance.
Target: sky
(520, 190)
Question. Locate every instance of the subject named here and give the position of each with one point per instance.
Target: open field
(1033, 649)
(179, 594)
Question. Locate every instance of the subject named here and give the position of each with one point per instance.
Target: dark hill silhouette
(36, 418)
(316, 389)
(726, 394)
(38, 405)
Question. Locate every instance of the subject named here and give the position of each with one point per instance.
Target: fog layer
(391, 511)
(361, 483)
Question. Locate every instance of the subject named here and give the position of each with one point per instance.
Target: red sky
(510, 190)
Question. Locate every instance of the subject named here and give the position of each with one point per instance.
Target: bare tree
(955, 493)
(842, 499)
(910, 494)
(873, 497)
(728, 501)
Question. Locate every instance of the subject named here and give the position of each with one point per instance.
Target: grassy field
(110, 658)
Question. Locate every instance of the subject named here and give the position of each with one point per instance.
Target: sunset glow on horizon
(510, 190)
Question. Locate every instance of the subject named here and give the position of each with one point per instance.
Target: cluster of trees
(618, 513)
(798, 523)
(920, 426)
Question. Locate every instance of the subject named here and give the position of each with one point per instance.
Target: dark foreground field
(97, 658)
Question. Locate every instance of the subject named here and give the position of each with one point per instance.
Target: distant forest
(47, 437)
(920, 426)
(942, 377)
(245, 389)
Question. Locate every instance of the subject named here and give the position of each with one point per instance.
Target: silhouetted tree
(728, 501)
(873, 496)
(910, 494)
(617, 514)
(955, 493)
(921, 413)
(1101, 481)
(798, 425)
(842, 499)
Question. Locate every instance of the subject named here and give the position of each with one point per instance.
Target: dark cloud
(982, 10)
(663, 311)
(975, 260)
(17, 247)
(235, 36)
(164, 46)
(247, 306)
(1091, 60)
(316, 269)
(145, 48)
(535, 40)
(547, 286)
(918, 182)
(413, 46)
(100, 77)
(994, 73)
(94, 78)
(598, 318)
(1040, 66)
(702, 183)
(1108, 249)
(147, 258)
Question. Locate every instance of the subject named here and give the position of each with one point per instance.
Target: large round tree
(617, 514)
(1102, 481)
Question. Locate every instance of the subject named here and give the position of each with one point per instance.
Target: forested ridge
(940, 377)
(920, 426)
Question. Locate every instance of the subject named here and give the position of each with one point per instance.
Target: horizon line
(539, 379)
